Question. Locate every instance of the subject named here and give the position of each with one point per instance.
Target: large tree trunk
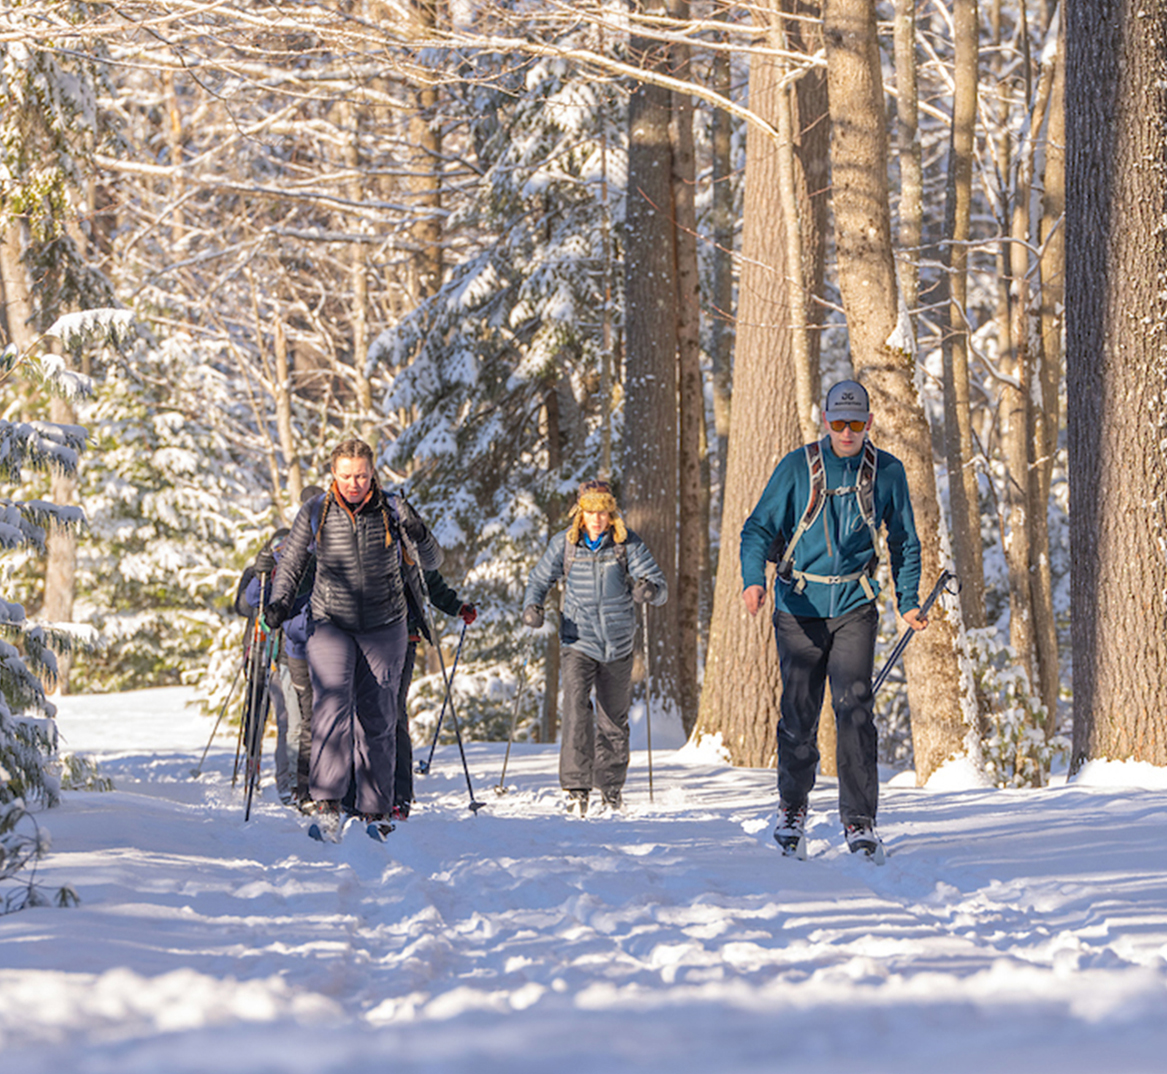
(1053, 273)
(649, 497)
(806, 380)
(691, 395)
(1116, 367)
(812, 148)
(963, 496)
(882, 351)
(742, 682)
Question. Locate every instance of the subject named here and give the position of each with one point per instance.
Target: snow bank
(1012, 930)
(958, 774)
(1132, 774)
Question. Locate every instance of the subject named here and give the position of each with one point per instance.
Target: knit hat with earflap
(596, 496)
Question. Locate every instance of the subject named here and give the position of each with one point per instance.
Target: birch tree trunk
(908, 150)
(425, 181)
(283, 387)
(60, 543)
(358, 276)
(882, 351)
(17, 287)
(549, 723)
(1116, 372)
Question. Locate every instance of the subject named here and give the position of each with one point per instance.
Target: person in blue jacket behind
(606, 570)
(825, 617)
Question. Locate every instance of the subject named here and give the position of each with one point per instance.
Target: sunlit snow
(1009, 930)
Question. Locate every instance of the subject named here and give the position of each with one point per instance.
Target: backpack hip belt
(833, 579)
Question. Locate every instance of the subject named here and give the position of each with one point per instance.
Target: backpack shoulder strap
(814, 502)
(865, 491)
(315, 508)
(569, 550)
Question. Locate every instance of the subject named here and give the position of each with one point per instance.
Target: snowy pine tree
(28, 738)
(499, 372)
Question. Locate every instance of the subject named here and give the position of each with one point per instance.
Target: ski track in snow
(1018, 930)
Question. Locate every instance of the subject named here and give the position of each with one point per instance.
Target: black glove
(468, 613)
(265, 561)
(273, 616)
(410, 522)
(533, 616)
(643, 590)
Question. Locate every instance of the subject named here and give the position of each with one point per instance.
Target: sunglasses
(856, 426)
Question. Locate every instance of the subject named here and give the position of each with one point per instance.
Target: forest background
(518, 245)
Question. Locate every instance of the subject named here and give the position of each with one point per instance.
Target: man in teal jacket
(818, 518)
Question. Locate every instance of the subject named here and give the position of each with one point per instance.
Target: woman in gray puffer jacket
(364, 541)
(606, 569)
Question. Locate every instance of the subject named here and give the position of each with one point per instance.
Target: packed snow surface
(1008, 931)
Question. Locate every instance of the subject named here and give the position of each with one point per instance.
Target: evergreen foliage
(28, 738)
(517, 320)
(51, 81)
(175, 507)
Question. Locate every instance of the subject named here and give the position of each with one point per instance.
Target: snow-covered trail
(1009, 930)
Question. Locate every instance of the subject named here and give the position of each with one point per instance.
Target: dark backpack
(864, 490)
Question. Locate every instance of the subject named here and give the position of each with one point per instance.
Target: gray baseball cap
(847, 401)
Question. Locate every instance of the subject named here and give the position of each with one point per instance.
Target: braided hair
(353, 448)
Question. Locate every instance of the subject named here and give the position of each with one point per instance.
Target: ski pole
(475, 805)
(647, 697)
(259, 725)
(424, 766)
(501, 788)
(942, 583)
(198, 770)
(244, 720)
(257, 717)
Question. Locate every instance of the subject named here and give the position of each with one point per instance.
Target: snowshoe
(326, 825)
(377, 826)
(577, 803)
(862, 839)
(790, 833)
(611, 801)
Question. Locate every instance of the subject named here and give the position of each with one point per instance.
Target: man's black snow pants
(593, 750)
(811, 651)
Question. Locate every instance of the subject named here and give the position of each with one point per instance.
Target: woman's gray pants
(594, 752)
(355, 678)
